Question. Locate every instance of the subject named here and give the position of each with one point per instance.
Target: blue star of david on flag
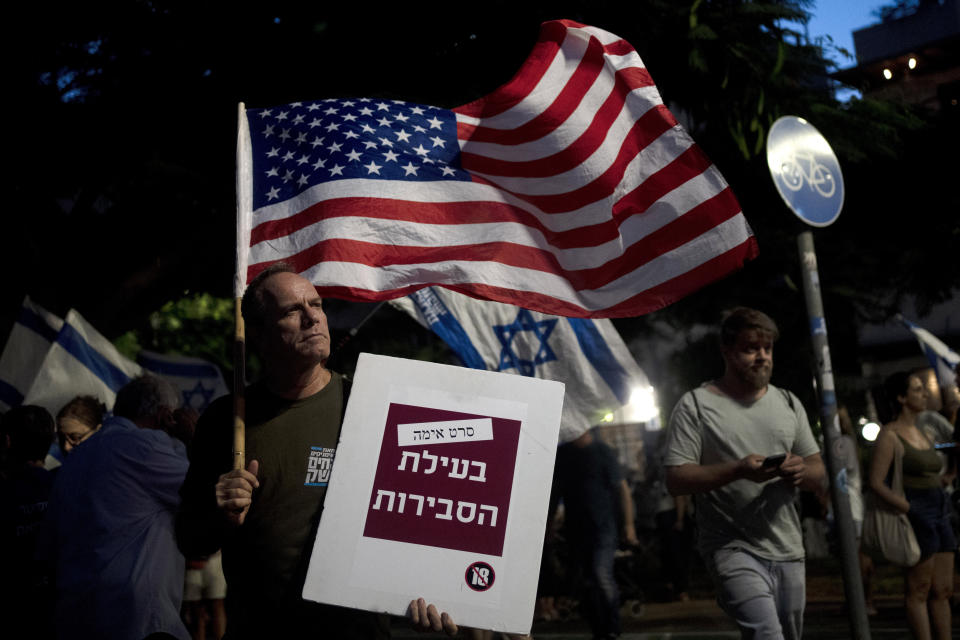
(203, 395)
(541, 329)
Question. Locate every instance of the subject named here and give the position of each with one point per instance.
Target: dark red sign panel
(436, 486)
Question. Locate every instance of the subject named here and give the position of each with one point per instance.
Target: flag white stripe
(654, 158)
(63, 376)
(659, 153)
(558, 74)
(605, 37)
(720, 239)
(24, 352)
(642, 98)
(417, 234)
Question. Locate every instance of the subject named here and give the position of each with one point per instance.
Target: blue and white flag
(942, 358)
(31, 337)
(200, 382)
(588, 356)
(79, 362)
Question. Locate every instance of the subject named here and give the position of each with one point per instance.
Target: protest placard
(439, 490)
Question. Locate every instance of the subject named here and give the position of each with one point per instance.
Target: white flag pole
(244, 221)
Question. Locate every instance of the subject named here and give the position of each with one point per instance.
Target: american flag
(571, 190)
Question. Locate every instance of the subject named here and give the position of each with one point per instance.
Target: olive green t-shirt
(265, 559)
(921, 467)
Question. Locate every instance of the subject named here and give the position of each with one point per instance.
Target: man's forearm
(815, 475)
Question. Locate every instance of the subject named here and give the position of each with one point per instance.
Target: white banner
(459, 523)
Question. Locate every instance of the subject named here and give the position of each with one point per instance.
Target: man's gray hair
(144, 397)
(251, 306)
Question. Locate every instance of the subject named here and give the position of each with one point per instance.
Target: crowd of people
(134, 538)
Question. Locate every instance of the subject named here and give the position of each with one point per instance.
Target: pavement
(702, 619)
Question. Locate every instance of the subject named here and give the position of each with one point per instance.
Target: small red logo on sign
(480, 576)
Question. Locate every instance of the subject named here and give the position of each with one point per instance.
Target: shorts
(207, 583)
(930, 516)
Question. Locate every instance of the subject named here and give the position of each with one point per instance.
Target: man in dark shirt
(597, 506)
(264, 517)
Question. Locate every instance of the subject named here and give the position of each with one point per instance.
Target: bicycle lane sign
(805, 171)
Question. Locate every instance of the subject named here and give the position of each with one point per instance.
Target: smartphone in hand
(772, 462)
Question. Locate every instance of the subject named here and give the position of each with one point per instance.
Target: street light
(642, 406)
(869, 431)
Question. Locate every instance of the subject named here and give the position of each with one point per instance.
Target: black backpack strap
(789, 398)
(696, 403)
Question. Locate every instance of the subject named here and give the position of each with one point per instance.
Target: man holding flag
(264, 517)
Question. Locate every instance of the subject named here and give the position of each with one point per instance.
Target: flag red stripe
(625, 81)
(643, 302)
(644, 131)
(619, 48)
(563, 105)
(690, 164)
(513, 93)
(676, 233)
(672, 290)
(687, 165)
(566, 159)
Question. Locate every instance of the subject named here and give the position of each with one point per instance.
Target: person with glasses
(78, 420)
(119, 574)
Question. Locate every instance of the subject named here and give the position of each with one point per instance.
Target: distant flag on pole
(199, 381)
(31, 337)
(571, 190)
(942, 358)
(588, 356)
(80, 362)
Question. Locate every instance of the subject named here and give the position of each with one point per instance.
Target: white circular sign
(805, 171)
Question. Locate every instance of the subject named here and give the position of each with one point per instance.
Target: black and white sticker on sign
(480, 576)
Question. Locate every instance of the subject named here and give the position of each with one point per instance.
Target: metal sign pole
(807, 175)
(839, 497)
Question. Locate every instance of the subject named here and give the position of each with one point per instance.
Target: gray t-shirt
(757, 517)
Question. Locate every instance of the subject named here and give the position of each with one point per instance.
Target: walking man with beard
(743, 448)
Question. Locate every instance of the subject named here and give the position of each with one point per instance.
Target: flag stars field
(390, 140)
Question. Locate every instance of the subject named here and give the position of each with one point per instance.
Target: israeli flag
(30, 339)
(942, 358)
(79, 362)
(588, 356)
(200, 382)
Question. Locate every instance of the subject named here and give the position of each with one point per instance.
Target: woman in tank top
(928, 584)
